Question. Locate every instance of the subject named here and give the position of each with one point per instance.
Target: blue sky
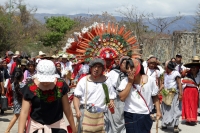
(162, 8)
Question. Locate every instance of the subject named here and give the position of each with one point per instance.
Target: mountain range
(186, 23)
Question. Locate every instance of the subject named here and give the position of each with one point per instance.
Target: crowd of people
(136, 89)
(115, 90)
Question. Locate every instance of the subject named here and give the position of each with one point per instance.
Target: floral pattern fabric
(49, 95)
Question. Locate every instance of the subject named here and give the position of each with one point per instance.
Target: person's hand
(180, 97)
(78, 114)
(111, 104)
(158, 115)
(3, 92)
(74, 131)
(131, 77)
(162, 86)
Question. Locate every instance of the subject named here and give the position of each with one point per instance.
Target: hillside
(184, 24)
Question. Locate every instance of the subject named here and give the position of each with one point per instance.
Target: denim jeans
(137, 123)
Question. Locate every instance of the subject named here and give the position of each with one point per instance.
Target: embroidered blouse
(46, 106)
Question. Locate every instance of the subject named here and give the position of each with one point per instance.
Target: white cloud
(157, 7)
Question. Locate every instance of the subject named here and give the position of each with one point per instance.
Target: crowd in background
(169, 90)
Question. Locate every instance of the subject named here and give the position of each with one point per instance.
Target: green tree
(57, 28)
(18, 27)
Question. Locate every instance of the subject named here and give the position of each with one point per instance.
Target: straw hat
(150, 56)
(47, 56)
(195, 59)
(152, 60)
(24, 62)
(17, 53)
(41, 53)
(53, 56)
(65, 56)
(195, 62)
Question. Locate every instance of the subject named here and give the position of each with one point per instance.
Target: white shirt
(144, 63)
(84, 69)
(161, 69)
(95, 92)
(170, 80)
(66, 66)
(197, 79)
(9, 65)
(154, 73)
(134, 103)
(182, 67)
(113, 76)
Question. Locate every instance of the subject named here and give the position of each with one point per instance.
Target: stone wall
(185, 43)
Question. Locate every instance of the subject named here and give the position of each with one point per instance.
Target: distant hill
(184, 24)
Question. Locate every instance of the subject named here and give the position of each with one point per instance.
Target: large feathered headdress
(107, 41)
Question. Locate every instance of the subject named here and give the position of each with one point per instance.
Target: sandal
(163, 127)
(176, 129)
(153, 118)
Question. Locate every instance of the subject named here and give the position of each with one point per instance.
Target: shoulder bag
(92, 122)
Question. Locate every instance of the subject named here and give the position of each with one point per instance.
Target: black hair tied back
(171, 65)
(17, 77)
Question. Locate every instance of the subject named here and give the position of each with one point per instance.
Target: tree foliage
(134, 21)
(18, 27)
(57, 27)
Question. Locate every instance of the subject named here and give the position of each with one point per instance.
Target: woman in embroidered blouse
(139, 92)
(47, 97)
(171, 113)
(28, 74)
(95, 93)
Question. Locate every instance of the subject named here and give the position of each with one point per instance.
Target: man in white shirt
(153, 71)
(145, 63)
(91, 94)
(65, 64)
(10, 55)
(66, 69)
(179, 65)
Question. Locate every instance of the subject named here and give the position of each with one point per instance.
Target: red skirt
(190, 104)
(9, 94)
